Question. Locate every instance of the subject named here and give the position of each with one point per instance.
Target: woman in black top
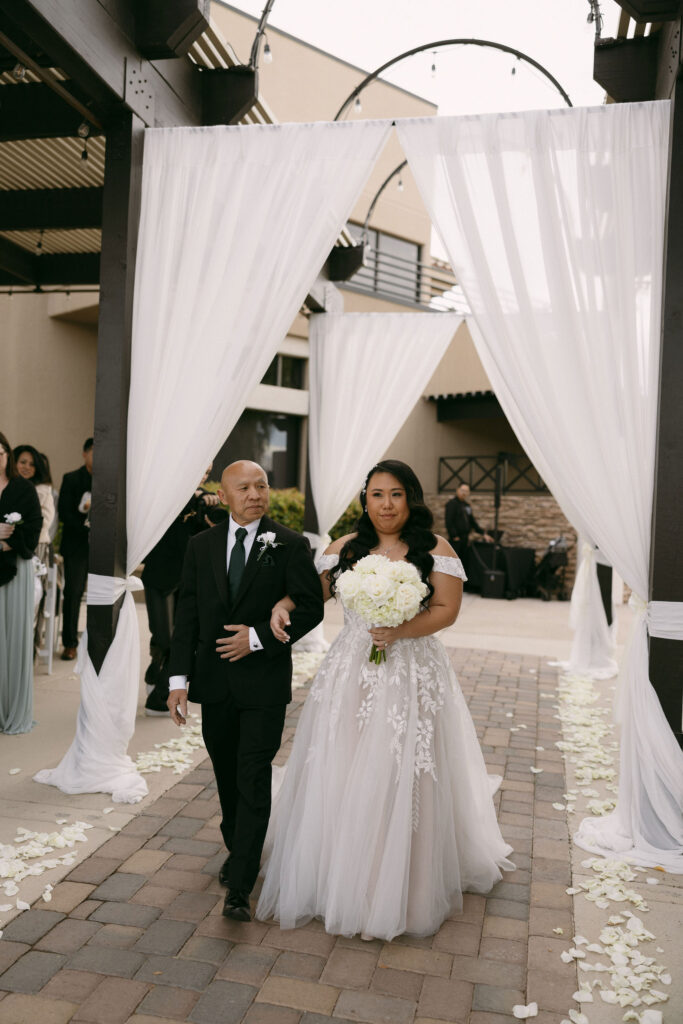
(20, 524)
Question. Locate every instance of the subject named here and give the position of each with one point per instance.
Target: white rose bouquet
(383, 593)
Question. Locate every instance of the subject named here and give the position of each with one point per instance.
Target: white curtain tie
(664, 619)
(108, 589)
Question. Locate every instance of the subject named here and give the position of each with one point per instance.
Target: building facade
(49, 341)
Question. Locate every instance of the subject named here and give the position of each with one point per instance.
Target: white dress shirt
(180, 682)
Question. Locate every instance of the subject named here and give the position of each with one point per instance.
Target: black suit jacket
(262, 678)
(75, 534)
(460, 520)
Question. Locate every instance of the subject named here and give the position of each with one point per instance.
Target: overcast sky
(467, 79)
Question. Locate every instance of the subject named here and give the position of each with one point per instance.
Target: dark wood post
(666, 563)
(120, 219)
(605, 584)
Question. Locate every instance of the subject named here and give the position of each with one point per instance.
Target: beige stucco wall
(47, 369)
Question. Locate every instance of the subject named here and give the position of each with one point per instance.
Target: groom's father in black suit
(233, 574)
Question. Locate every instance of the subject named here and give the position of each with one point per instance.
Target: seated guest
(20, 524)
(74, 506)
(161, 577)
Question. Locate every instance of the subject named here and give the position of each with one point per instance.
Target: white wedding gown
(385, 815)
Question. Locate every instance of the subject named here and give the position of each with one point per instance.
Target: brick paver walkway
(135, 933)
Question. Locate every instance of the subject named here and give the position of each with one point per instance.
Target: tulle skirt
(385, 815)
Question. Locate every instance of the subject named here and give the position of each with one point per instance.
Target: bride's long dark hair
(417, 532)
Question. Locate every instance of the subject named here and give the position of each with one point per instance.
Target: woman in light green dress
(20, 524)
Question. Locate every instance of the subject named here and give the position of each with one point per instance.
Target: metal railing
(518, 475)
(407, 281)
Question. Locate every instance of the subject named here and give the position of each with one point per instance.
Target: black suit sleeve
(69, 500)
(474, 525)
(451, 516)
(186, 628)
(302, 583)
(25, 537)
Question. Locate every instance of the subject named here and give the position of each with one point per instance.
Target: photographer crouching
(161, 579)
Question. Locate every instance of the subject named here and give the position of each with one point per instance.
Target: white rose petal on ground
(583, 996)
(522, 1012)
(14, 771)
(577, 1017)
(23, 905)
(558, 931)
(536, 771)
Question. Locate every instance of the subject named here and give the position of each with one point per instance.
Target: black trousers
(161, 608)
(75, 576)
(242, 743)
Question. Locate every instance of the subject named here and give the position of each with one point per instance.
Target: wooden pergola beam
(46, 208)
(34, 111)
(91, 46)
(16, 264)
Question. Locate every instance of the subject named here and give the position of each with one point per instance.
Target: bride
(385, 816)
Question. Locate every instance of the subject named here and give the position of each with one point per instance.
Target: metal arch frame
(260, 31)
(450, 42)
(421, 49)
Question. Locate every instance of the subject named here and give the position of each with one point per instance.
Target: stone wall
(529, 521)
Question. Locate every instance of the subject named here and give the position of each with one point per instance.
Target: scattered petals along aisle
(618, 972)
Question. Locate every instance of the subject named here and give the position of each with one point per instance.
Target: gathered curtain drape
(553, 222)
(235, 224)
(367, 371)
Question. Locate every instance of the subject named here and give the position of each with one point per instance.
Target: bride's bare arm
(279, 617)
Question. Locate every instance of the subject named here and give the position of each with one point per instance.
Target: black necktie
(237, 560)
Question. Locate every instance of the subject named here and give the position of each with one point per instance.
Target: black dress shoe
(223, 873)
(236, 905)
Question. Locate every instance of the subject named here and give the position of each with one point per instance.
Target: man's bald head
(244, 487)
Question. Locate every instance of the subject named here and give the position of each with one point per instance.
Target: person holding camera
(161, 579)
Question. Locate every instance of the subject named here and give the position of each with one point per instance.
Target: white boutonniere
(266, 540)
(13, 518)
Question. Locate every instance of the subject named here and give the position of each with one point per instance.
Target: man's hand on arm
(242, 642)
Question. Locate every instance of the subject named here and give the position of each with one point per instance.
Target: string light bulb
(267, 54)
(39, 243)
(358, 106)
(400, 184)
(18, 72)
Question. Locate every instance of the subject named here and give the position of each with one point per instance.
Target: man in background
(460, 522)
(74, 507)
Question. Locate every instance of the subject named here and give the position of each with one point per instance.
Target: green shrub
(347, 521)
(287, 508)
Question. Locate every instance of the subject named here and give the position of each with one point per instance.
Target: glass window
(271, 439)
(270, 376)
(391, 265)
(285, 372)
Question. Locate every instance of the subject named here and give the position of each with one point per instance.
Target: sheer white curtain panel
(235, 224)
(367, 371)
(553, 222)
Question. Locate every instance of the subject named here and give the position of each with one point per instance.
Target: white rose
(348, 585)
(13, 517)
(266, 538)
(378, 588)
(408, 599)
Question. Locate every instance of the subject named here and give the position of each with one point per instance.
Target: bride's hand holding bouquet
(385, 594)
